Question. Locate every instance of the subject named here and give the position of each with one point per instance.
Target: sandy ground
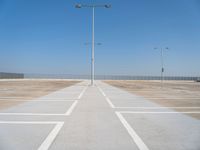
(12, 90)
(172, 94)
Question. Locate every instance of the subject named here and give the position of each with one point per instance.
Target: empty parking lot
(97, 117)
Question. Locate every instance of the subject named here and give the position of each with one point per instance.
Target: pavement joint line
(51, 136)
(138, 141)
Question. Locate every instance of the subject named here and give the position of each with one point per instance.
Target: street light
(162, 63)
(93, 6)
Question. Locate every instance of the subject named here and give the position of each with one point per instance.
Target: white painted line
(69, 111)
(102, 92)
(110, 103)
(159, 112)
(14, 97)
(51, 137)
(107, 99)
(138, 141)
(31, 114)
(158, 107)
(113, 106)
(83, 91)
(43, 100)
(149, 98)
(171, 98)
(29, 122)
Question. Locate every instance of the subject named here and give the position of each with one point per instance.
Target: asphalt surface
(100, 117)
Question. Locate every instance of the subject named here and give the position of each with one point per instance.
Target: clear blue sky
(48, 36)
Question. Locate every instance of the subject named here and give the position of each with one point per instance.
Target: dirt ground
(11, 90)
(171, 94)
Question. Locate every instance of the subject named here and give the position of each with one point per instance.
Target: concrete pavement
(101, 117)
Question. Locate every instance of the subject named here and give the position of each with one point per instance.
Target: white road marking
(29, 122)
(159, 112)
(42, 100)
(14, 97)
(171, 98)
(69, 111)
(51, 137)
(138, 141)
(113, 106)
(31, 114)
(107, 99)
(83, 91)
(102, 92)
(110, 103)
(158, 107)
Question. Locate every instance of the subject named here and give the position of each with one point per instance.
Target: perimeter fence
(4, 75)
(109, 77)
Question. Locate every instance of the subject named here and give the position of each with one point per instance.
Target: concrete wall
(4, 75)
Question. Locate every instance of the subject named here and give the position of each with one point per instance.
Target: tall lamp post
(162, 63)
(93, 6)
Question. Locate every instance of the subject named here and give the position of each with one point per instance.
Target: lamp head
(108, 6)
(78, 6)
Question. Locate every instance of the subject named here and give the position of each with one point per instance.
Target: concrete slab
(23, 136)
(93, 122)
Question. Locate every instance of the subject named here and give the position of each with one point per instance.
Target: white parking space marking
(60, 96)
(118, 107)
(31, 114)
(110, 103)
(107, 99)
(158, 107)
(38, 100)
(159, 112)
(102, 92)
(138, 141)
(69, 111)
(49, 139)
(83, 91)
(151, 109)
(29, 122)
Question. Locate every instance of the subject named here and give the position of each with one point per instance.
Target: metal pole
(92, 66)
(93, 41)
(162, 67)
